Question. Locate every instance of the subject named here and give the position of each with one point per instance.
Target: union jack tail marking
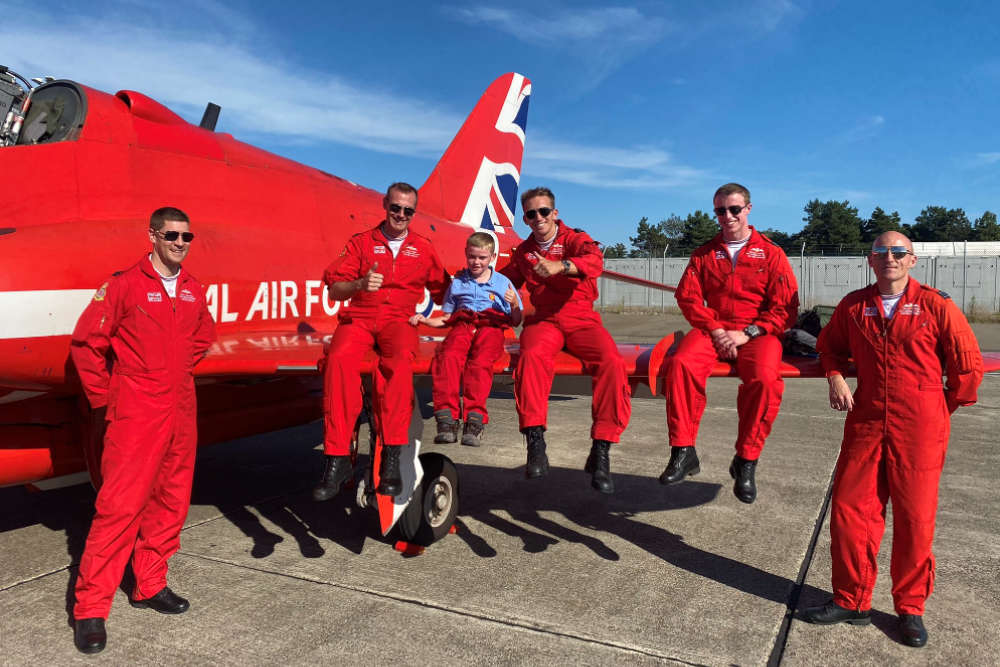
(476, 180)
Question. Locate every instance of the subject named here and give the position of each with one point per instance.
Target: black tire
(434, 505)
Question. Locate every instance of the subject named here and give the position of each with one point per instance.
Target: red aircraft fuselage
(266, 229)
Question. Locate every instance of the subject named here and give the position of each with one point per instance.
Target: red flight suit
(153, 343)
(377, 318)
(896, 436)
(564, 317)
(713, 294)
(467, 355)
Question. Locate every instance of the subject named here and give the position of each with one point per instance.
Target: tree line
(831, 228)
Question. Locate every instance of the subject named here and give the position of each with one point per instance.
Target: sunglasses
(898, 251)
(542, 212)
(733, 210)
(172, 235)
(407, 211)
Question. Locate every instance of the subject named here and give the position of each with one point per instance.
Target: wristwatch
(753, 331)
(566, 265)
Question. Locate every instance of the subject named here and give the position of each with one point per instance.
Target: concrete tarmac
(540, 572)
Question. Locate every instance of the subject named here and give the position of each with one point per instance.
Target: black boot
(683, 463)
(742, 471)
(912, 631)
(472, 431)
(538, 462)
(89, 635)
(390, 480)
(338, 470)
(447, 428)
(599, 465)
(831, 613)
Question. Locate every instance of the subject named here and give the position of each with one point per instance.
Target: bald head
(889, 239)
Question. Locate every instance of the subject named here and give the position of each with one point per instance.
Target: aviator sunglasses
(172, 235)
(733, 210)
(407, 211)
(898, 251)
(543, 212)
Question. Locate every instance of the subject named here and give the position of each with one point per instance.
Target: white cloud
(987, 158)
(866, 128)
(601, 40)
(263, 95)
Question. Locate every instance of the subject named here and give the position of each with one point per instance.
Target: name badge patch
(154, 297)
(379, 250)
(909, 309)
(756, 253)
(187, 296)
(871, 311)
(410, 251)
(720, 254)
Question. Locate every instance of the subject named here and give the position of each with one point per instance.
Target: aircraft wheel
(434, 505)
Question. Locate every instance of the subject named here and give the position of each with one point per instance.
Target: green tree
(986, 228)
(698, 228)
(782, 239)
(616, 251)
(937, 223)
(832, 227)
(649, 239)
(879, 222)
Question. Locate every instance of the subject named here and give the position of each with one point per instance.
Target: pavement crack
(778, 650)
(486, 618)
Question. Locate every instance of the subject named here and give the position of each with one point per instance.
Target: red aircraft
(85, 168)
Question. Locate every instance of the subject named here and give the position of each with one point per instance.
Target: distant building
(955, 248)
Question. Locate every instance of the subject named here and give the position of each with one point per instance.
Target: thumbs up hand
(372, 281)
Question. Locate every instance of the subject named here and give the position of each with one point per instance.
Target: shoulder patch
(940, 293)
(102, 291)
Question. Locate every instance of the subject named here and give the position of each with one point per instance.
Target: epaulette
(941, 293)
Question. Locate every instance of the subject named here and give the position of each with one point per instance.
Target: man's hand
(840, 394)
(727, 342)
(372, 281)
(549, 267)
(510, 296)
(417, 319)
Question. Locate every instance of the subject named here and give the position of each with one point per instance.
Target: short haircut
(481, 240)
(732, 189)
(161, 215)
(404, 188)
(538, 192)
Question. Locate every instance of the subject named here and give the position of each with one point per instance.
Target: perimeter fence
(973, 282)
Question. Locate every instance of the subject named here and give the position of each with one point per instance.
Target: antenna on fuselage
(210, 117)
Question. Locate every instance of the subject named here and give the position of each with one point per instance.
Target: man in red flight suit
(903, 337)
(383, 272)
(150, 325)
(560, 267)
(739, 294)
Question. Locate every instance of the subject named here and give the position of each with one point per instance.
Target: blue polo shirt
(466, 293)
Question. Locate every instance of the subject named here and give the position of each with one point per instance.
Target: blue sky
(638, 109)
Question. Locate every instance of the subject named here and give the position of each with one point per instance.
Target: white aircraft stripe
(36, 313)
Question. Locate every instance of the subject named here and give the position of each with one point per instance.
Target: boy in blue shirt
(478, 306)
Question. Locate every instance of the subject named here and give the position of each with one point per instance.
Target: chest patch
(871, 311)
(410, 251)
(379, 250)
(154, 297)
(186, 295)
(721, 254)
(755, 253)
(556, 250)
(909, 309)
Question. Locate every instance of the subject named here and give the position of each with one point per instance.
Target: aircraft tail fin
(476, 180)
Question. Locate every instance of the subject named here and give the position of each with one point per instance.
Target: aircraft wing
(273, 353)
